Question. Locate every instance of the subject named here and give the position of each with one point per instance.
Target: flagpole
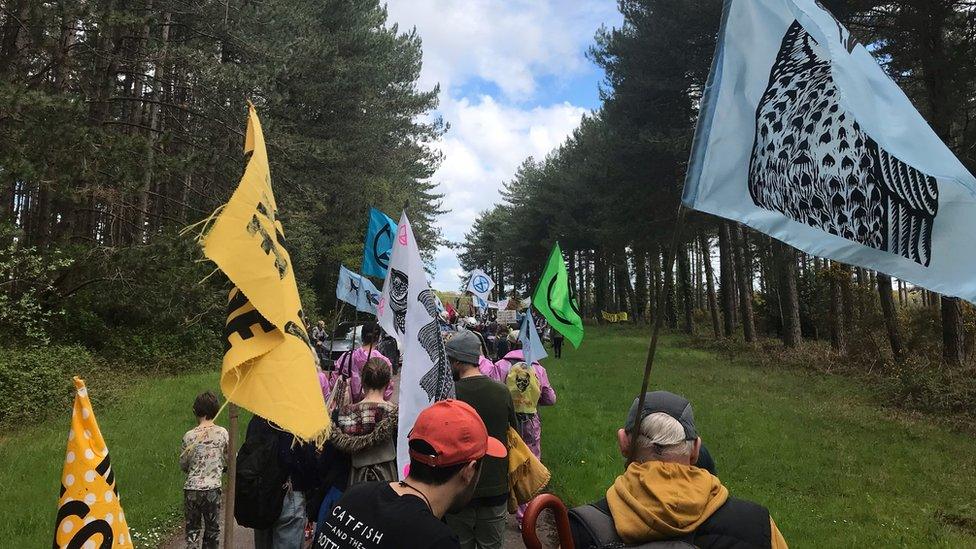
(669, 257)
(229, 522)
(335, 324)
(355, 319)
(359, 297)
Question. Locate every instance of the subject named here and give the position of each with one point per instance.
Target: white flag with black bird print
(804, 137)
(408, 311)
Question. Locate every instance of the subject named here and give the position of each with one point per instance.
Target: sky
(514, 82)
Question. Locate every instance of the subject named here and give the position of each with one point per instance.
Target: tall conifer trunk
(726, 277)
(684, 273)
(710, 283)
(890, 314)
(838, 333)
(640, 288)
(785, 258)
(670, 303)
(744, 279)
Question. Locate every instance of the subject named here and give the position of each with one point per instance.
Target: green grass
(834, 468)
(143, 434)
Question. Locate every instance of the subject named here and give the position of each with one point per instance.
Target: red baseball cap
(456, 433)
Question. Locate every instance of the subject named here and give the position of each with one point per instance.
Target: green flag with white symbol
(554, 299)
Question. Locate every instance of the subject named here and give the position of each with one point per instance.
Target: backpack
(260, 488)
(523, 384)
(599, 526)
(377, 463)
(737, 523)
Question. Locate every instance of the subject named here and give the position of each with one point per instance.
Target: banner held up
(357, 291)
(378, 245)
(408, 310)
(269, 365)
(553, 298)
(89, 509)
(841, 164)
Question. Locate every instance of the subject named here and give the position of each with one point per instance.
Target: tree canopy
(123, 123)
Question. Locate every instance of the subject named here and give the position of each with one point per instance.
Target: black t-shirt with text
(373, 516)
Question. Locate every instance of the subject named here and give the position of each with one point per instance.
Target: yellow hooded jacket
(657, 500)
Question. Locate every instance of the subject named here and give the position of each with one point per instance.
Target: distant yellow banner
(89, 511)
(269, 365)
(615, 317)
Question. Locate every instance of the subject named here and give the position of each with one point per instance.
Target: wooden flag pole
(229, 522)
(669, 257)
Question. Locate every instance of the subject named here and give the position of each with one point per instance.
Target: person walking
(502, 346)
(318, 333)
(298, 463)
(481, 523)
(366, 430)
(557, 343)
(203, 457)
(530, 388)
(350, 364)
(449, 449)
(665, 495)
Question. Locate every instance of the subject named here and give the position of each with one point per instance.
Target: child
(203, 458)
(366, 430)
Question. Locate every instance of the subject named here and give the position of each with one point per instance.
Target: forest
(146, 103)
(610, 193)
(122, 126)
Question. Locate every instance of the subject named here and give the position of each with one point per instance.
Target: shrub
(929, 386)
(34, 383)
(28, 277)
(150, 351)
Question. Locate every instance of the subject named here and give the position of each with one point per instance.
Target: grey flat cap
(464, 347)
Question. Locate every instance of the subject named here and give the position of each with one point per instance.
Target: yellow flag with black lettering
(89, 511)
(269, 364)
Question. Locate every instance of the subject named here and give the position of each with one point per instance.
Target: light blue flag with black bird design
(357, 291)
(804, 137)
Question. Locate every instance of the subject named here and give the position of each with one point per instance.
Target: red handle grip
(546, 501)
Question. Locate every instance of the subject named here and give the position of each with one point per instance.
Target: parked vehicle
(346, 337)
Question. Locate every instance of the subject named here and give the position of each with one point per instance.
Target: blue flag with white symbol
(357, 291)
(532, 348)
(379, 241)
(480, 284)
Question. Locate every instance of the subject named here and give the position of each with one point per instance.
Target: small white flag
(480, 284)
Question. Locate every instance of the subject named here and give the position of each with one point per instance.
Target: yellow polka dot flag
(89, 511)
(269, 364)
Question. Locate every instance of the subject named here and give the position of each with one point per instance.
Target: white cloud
(487, 143)
(511, 45)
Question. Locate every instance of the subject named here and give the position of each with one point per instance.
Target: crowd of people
(456, 490)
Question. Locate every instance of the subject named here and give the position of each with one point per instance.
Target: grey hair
(663, 438)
